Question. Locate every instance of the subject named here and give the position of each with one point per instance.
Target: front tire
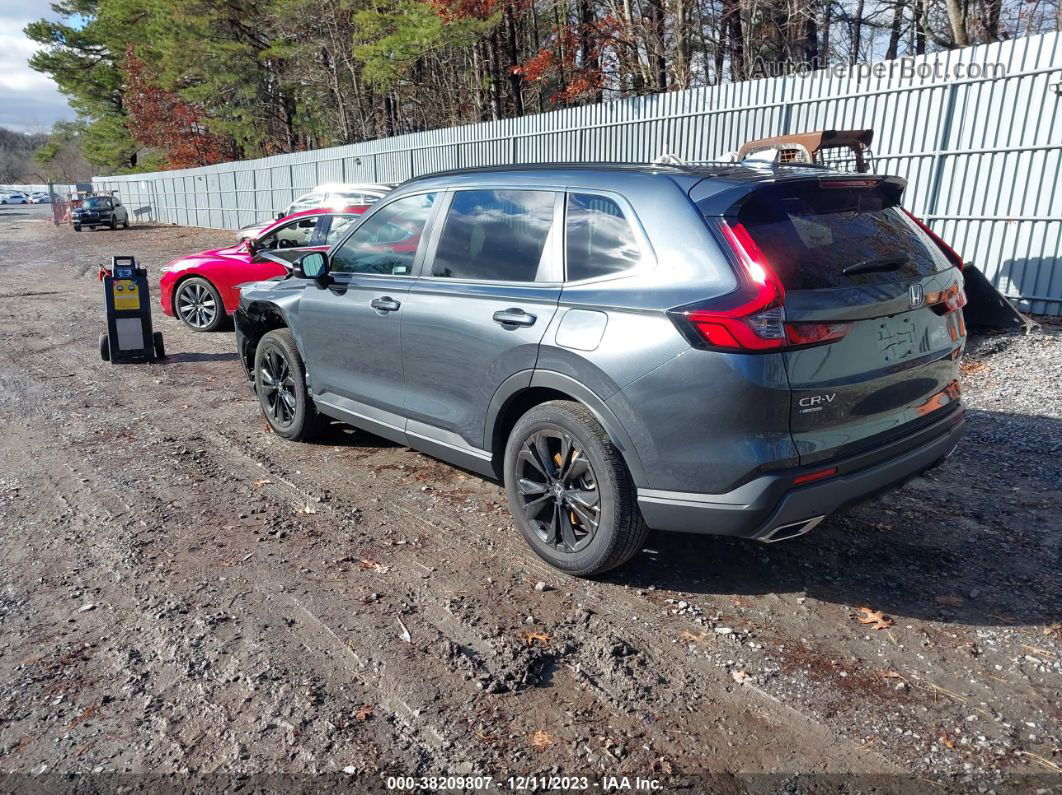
(113, 224)
(280, 382)
(570, 492)
(77, 228)
(198, 305)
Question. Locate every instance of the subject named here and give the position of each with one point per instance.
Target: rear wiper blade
(892, 262)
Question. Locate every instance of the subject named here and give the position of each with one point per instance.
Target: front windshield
(97, 203)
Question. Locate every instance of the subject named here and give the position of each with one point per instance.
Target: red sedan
(201, 289)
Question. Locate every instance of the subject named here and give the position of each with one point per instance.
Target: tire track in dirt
(612, 618)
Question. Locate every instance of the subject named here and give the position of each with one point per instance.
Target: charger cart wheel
(160, 348)
(105, 348)
(280, 379)
(570, 492)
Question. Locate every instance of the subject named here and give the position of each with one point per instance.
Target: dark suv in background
(99, 211)
(726, 349)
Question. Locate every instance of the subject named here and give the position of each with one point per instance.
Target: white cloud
(29, 100)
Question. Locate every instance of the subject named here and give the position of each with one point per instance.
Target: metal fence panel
(982, 153)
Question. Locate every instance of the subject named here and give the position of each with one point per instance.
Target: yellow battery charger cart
(129, 336)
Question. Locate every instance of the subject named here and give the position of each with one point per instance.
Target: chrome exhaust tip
(792, 530)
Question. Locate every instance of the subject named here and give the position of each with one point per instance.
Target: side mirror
(312, 265)
(252, 244)
(279, 216)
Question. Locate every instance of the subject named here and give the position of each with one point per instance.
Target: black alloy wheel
(558, 490)
(276, 385)
(280, 383)
(570, 491)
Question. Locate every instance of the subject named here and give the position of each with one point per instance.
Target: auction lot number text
(521, 783)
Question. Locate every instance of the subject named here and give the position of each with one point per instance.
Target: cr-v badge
(815, 402)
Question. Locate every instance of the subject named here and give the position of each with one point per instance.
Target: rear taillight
(814, 333)
(752, 318)
(946, 301)
(949, 253)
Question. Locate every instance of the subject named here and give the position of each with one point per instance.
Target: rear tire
(280, 382)
(578, 508)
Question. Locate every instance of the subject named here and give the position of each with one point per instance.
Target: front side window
(297, 234)
(387, 241)
(599, 238)
(496, 235)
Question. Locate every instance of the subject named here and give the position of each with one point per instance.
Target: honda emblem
(917, 296)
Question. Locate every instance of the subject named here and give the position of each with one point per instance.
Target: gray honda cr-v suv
(729, 350)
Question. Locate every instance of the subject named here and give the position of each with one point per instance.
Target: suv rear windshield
(809, 234)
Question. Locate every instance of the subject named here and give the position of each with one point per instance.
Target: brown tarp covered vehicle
(841, 149)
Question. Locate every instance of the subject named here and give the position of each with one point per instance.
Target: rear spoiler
(727, 199)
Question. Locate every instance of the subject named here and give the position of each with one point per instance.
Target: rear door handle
(385, 304)
(514, 317)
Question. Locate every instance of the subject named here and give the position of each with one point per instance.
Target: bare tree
(957, 16)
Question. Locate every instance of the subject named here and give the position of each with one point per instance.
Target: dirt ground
(183, 592)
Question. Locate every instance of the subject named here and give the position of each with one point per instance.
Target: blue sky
(29, 101)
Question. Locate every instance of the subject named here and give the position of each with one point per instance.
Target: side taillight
(950, 254)
(752, 318)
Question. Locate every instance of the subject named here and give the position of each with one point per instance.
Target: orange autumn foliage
(160, 119)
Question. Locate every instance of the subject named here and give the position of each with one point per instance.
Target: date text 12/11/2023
(525, 783)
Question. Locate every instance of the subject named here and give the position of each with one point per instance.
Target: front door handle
(514, 317)
(385, 304)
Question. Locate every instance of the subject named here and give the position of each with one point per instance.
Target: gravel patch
(1015, 373)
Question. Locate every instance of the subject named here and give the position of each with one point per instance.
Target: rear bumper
(770, 505)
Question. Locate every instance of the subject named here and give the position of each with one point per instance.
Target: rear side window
(308, 201)
(352, 199)
(339, 227)
(599, 238)
(809, 234)
(496, 235)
